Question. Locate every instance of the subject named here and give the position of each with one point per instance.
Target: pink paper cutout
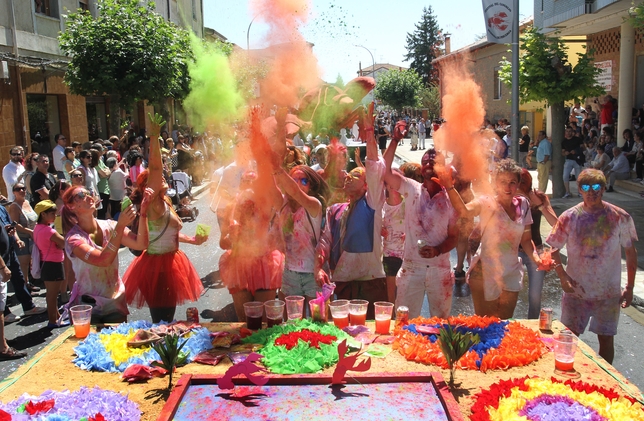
(348, 363)
(245, 368)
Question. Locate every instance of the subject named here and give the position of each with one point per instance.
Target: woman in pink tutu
(253, 264)
(162, 276)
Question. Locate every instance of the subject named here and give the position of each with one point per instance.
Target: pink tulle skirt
(162, 280)
(252, 273)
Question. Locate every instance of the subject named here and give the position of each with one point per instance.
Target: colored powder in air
(213, 94)
(292, 66)
(464, 111)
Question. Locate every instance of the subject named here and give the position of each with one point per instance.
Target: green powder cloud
(213, 97)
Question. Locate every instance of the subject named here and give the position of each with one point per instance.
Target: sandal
(12, 354)
(64, 323)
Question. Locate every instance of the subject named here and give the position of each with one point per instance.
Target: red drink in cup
(383, 311)
(341, 322)
(358, 319)
(565, 365)
(382, 325)
(254, 323)
(254, 312)
(273, 322)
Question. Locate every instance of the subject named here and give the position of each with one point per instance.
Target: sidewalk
(626, 199)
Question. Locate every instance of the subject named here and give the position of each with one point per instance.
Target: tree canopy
(545, 74)
(129, 52)
(424, 45)
(399, 88)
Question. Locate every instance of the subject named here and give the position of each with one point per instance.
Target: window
(83, 4)
(497, 83)
(47, 7)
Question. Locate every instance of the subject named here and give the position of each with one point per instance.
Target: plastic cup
(81, 318)
(254, 311)
(383, 311)
(340, 313)
(274, 312)
(358, 312)
(565, 348)
(294, 306)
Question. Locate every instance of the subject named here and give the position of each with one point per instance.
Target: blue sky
(336, 26)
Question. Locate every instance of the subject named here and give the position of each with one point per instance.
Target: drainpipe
(21, 104)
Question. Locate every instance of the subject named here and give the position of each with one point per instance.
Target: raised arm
(155, 161)
(465, 210)
(391, 178)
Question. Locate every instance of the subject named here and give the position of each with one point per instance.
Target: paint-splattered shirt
(426, 218)
(393, 224)
(300, 238)
(593, 242)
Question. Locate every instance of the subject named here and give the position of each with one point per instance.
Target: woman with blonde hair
(496, 274)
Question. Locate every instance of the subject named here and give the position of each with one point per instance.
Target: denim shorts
(299, 283)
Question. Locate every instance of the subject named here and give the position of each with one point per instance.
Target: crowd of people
(299, 213)
(68, 212)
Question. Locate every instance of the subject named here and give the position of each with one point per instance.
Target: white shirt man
(12, 171)
(58, 155)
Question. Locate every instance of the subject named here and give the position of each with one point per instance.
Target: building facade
(35, 104)
(618, 47)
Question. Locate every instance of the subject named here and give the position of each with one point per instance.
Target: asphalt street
(31, 334)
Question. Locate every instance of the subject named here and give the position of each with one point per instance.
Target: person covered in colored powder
(305, 196)
(162, 276)
(431, 233)
(496, 273)
(594, 233)
(351, 241)
(253, 264)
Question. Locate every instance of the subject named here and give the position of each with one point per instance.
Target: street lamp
(248, 31)
(373, 62)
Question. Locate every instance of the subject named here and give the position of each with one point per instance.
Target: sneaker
(566, 196)
(10, 318)
(572, 178)
(610, 189)
(64, 323)
(637, 180)
(35, 310)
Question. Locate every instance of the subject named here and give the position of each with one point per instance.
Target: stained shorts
(417, 279)
(603, 314)
(299, 283)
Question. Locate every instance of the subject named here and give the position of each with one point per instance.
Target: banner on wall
(605, 78)
(498, 20)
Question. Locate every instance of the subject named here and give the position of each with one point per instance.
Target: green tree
(424, 45)
(546, 75)
(430, 98)
(128, 52)
(399, 88)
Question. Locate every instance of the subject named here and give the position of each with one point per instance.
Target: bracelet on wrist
(450, 188)
(557, 265)
(111, 246)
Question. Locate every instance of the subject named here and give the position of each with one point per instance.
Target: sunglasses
(586, 187)
(82, 194)
(302, 181)
(77, 175)
(19, 189)
(16, 154)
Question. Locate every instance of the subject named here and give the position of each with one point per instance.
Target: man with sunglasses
(594, 233)
(41, 182)
(12, 170)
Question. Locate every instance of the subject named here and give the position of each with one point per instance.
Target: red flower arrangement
(314, 339)
(519, 345)
(38, 407)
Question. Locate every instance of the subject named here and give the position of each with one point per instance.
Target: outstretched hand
(157, 122)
